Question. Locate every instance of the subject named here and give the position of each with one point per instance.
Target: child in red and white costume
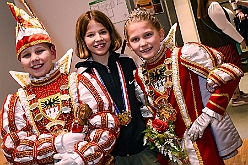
(189, 84)
(38, 123)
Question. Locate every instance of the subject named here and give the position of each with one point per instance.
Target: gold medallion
(64, 97)
(33, 106)
(124, 117)
(31, 97)
(38, 117)
(64, 87)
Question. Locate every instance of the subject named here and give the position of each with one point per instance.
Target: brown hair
(202, 9)
(141, 14)
(81, 27)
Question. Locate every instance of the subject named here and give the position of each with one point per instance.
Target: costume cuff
(212, 113)
(85, 149)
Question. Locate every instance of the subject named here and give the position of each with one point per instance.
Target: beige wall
(186, 20)
(8, 59)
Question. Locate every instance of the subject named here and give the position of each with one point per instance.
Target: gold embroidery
(11, 111)
(195, 66)
(48, 112)
(54, 76)
(22, 78)
(223, 109)
(197, 153)
(178, 90)
(221, 94)
(193, 93)
(158, 56)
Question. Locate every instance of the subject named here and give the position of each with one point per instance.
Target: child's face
(144, 39)
(37, 59)
(97, 39)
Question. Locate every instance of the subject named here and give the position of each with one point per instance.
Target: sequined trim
(97, 135)
(31, 114)
(24, 103)
(109, 142)
(27, 142)
(197, 153)
(91, 157)
(104, 120)
(46, 150)
(15, 138)
(85, 81)
(30, 44)
(11, 113)
(177, 88)
(22, 154)
(195, 66)
(216, 105)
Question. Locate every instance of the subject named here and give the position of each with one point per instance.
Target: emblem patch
(50, 106)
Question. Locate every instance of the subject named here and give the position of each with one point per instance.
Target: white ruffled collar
(47, 76)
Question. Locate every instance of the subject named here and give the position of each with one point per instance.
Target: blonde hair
(81, 27)
(141, 14)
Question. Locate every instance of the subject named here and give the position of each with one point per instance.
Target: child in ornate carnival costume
(186, 91)
(55, 117)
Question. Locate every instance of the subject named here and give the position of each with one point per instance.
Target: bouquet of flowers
(160, 136)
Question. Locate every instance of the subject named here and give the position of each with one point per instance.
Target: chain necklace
(52, 112)
(158, 84)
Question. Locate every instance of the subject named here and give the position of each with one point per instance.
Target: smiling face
(144, 39)
(37, 59)
(97, 39)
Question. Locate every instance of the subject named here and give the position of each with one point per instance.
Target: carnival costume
(37, 122)
(184, 84)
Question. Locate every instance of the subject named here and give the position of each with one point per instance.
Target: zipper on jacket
(108, 69)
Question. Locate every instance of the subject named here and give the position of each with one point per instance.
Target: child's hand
(67, 158)
(241, 16)
(65, 142)
(199, 125)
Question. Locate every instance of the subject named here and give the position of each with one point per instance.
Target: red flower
(150, 139)
(159, 125)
